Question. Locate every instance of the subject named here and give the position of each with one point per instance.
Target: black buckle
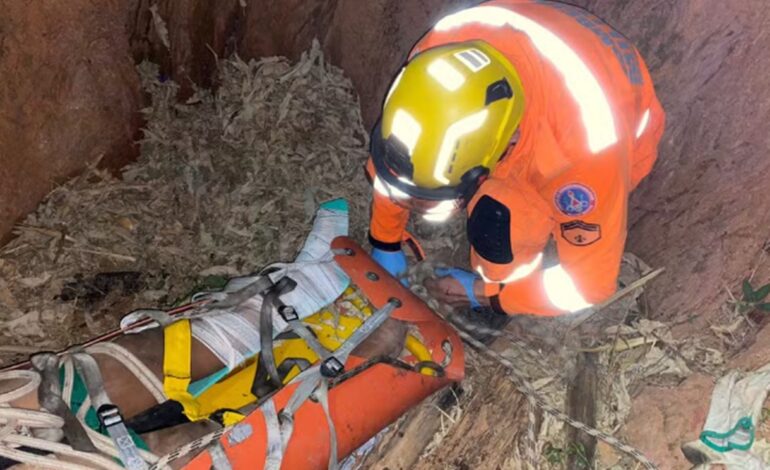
(332, 367)
(109, 415)
(288, 313)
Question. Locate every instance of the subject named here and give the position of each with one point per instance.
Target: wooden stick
(585, 315)
(581, 406)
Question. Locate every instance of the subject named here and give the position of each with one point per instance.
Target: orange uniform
(589, 134)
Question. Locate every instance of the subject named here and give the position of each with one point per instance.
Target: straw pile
(227, 182)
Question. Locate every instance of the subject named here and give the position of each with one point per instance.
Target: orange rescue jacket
(589, 134)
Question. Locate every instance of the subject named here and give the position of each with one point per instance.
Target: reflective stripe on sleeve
(562, 291)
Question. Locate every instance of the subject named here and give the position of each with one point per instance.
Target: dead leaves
(225, 184)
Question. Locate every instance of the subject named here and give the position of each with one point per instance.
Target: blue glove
(465, 278)
(393, 262)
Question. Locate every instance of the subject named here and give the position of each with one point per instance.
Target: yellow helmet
(447, 120)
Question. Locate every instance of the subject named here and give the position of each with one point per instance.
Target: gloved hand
(466, 280)
(393, 262)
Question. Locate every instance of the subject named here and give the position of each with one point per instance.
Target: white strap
(274, 450)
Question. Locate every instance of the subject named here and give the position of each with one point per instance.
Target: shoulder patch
(489, 230)
(575, 199)
(579, 233)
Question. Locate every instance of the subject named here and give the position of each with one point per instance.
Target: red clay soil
(704, 212)
(68, 96)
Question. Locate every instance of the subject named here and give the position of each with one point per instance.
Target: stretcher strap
(315, 381)
(322, 395)
(266, 332)
(177, 349)
(109, 414)
(219, 460)
(274, 448)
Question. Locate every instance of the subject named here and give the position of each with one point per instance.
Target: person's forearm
(478, 292)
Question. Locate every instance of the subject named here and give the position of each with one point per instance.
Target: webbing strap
(274, 449)
(109, 414)
(177, 349)
(322, 395)
(314, 381)
(303, 332)
(269, 300)
(363, 332)
(219, 460)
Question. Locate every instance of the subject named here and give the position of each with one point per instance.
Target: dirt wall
(71, 96)
(68, 96)
(704, 212)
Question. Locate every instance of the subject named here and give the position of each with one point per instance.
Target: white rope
(32, 378)
(37, 461)
(13, 420)
(134, 365)
(98, 461)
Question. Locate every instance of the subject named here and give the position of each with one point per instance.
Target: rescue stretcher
(329, 402)
(368, 396)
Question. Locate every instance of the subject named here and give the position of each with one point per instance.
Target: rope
(14, 419)
(134, 365)
(526, 389)
(191, 447)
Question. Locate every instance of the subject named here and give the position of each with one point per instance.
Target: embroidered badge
(579, 233)
(575, 199)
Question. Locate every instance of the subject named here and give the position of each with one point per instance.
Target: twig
(108, 254)
(615, 340)
(627, 344)
(582, 317)
(14, 249)
(451, 420)
(44, 231)
(762, 255)
(10, 349)
(727, 289)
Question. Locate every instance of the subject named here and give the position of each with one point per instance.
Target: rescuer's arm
(590, 207)
(387, 227)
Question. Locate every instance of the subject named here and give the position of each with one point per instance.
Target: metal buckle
(109, 415)
(332, 367)
(288, 313)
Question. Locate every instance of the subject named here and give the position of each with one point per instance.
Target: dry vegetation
(228, 182)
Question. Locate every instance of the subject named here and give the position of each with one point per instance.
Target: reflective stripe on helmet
(561, 290)
(460, 128)
(594, 107)
(446, 75)
(406, 129)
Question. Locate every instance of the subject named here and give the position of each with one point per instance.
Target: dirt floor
(702, 214)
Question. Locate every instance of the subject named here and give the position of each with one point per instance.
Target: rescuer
(538, 119)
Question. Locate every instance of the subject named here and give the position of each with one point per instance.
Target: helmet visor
(393, 178)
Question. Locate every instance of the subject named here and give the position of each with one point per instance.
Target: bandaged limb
(233, 334)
